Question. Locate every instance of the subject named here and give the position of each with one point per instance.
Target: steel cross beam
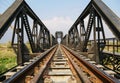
(96, 10)
(65, 40)
(59, 34)
(18, 45)
(20, 14)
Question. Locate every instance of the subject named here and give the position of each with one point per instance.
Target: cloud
(58, 24)
(64, 24)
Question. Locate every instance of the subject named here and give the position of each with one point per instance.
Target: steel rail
(92, 69)
(87, 72)
(42, 69)
(80, 73)
(20, 76)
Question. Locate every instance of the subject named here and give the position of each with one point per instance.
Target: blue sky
(46, 9)
(50, 8)
(59, 15)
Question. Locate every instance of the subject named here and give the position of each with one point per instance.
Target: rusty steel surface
(79, 34)
(60, 70)
(28, 70)
(95, 75)
(42, 67)
(110, 54)
(19, 15)
(60, 65)
(81, 75)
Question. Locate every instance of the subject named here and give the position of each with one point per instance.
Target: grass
(28, 46)
(7, 57)
(111, 49)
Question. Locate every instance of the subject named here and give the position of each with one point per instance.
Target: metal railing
(111, 54)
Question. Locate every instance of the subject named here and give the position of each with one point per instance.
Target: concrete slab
(92, 62)
(99, 66)
(19, 68)
(87, 59)
(60, 67)
(60, 79)
(65, 66)
(110, 72)
(60, 73)
(59, 60)
(9, 74)
(32, 60)
(27, 63)
(60, 63)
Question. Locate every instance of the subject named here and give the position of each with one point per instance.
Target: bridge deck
(68, 62)
(60, 64)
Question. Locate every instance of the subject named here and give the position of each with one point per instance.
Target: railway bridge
(75, 59)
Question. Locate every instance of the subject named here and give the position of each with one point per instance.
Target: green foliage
(28, 46)
(8, 44)
(7, 57)
(2, 68)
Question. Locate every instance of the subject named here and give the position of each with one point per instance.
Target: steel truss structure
(38, 35)
(78, 36)
(26, 22)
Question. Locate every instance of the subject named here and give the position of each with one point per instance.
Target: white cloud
(64, 24)
(58, 24)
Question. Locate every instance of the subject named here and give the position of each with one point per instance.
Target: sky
(59, 15)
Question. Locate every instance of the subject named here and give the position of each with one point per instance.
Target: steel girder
(22, 25)
(44, 38)
(20, 13)
(59, 34)
(97, 11)
(83, 36)
(74, 37)
(70, 39)
(9, 15)
(65, 40)
(111, 19)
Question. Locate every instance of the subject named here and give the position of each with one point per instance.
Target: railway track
(60, 65)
